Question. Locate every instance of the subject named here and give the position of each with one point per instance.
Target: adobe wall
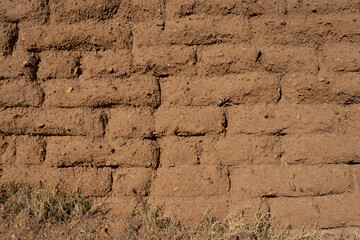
(201, 105)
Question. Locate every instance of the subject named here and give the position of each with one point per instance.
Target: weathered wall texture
(171, 100)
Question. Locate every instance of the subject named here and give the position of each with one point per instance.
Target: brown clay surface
(201, 105)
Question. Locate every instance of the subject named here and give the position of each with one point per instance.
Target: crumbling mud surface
(199, 105)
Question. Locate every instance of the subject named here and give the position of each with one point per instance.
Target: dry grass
(40, 205)
(148, 222)
(153, 224)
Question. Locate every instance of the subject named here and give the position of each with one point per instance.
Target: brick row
(290, 118)
(341, 88)
(209, 151)
(229, 58)
(102, 92)
(83, 35)
(191, 31)
(299, 30)
(85, 152)
(88, 182)
(321, 149)
(323, 7)
(294, 181)
(225, 90)
(75, 11)
(35, 121)
(322, 212)
(179, 9)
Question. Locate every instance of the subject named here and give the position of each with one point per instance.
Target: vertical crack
(228, 179)
(280, 95)
(14, 36)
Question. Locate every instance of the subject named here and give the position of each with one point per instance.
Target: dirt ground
(203, 106)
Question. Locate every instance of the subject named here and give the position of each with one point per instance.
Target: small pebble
(315, 206)
(301, 190)
(121, 143)
(160, 23)
(40, 125)
(292, 186)
(69, 90)
(123, 72)
(77, 72)
(110, 70)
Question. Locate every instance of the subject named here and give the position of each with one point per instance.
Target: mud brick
(127, 122)
(332, 211)
(80, 151)
(226, 59)
(321, 148)
(75, 11)
(114, 63)
(148, 33)
(324, 88)
(289, 59)
(35, 121)
(290, 118)
(19, 92)
(14, 11)
(177, 151)
(131, 181)
(250, 149)
(350, 119)
(89, 182)
(247, 207)
(191, 31)
(15, 65)
(8, 35)
(267, 180)
(323, 7)
(216, 206)
(206, 30)
(146, 10)
(340, 28)
(178, 8)
(29, 150)
(341, 57)
(84, 35)
(225, 90)
(58, 64)
(165, 60)
(7, 150)
(189, 181)
(142, 90)
(35, 176)
(308, 31)
(189, 121)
